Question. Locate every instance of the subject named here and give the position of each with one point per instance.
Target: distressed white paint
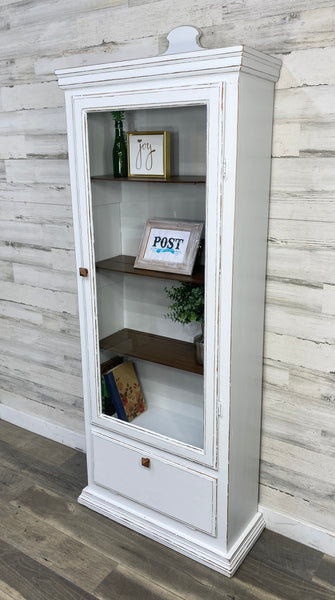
(312, 206)
(286, 139)
(13, 146)
(43, 194)
(308, 67)
(46, 66)
(38, 121)
(37, 170)
(318, 138)
(32, 96)
(302, 234)
(328, 300)
(51, 280)
(298, 323)
(45, 299)
(52, 236)
(26, 212)
(315, 266)
(44, 427)
(275, 374)
(52, 258)
(277, 29)
(294, 294)
(299, 352)
(296, 529)
(301, 278)
(46, 146)
(236, 85)
(296, 174)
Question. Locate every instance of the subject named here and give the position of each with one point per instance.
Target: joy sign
(144, 155)
(148, 154)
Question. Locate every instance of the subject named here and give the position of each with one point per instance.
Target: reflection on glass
(150, 375)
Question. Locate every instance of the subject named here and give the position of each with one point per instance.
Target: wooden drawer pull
(83, 272)
(145, 462)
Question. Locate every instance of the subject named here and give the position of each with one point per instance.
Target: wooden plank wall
(40, 368)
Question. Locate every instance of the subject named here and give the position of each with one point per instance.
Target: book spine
(115, 396)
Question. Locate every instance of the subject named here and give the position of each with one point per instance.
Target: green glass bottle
(120, 166)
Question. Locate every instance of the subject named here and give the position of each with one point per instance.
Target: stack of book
(121, 391)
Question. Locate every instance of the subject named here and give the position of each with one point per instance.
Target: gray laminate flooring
(51, 548)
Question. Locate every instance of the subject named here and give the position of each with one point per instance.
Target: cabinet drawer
(173, 490)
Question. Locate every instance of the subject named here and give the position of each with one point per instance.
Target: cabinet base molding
(300, 531)
(223, 562)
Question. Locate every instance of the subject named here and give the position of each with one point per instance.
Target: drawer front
(175, 491)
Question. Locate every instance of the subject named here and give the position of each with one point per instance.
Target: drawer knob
(83, 272)
(145, 462)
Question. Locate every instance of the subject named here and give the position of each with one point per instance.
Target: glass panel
(152, 376)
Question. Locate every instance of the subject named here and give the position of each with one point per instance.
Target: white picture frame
(169, 245)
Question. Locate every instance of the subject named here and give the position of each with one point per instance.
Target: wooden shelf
(153, 348)
(125, 264)
(178, 179)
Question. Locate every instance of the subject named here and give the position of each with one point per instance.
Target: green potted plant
(188, 306)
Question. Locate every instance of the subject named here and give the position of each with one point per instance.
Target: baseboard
(225, 563)
(52, 431)
(305, 533)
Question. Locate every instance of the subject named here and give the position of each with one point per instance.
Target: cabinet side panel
(250, 242)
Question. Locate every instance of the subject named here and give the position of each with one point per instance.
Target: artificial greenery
(187, 303)
(118, 115)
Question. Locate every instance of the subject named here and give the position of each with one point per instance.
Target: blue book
(125, 390)
(107, 404)
(115, 396)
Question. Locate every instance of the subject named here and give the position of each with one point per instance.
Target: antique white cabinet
(201, 429)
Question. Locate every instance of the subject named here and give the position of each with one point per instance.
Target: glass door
(153, 333)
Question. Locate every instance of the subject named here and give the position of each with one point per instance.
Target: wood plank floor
(51, 548)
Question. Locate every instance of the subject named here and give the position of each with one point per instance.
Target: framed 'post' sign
(169, 245)
(148, 154)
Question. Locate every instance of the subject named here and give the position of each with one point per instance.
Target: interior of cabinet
(132, 304)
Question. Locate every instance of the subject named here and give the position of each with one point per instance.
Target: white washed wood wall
(40, 368)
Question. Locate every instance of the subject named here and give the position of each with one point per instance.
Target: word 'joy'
(144, 155)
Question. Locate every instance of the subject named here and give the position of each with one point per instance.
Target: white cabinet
(185, 471)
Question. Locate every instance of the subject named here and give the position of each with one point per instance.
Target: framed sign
(148, 154)
(169, 245)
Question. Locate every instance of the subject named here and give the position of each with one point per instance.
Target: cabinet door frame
(79, 105)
